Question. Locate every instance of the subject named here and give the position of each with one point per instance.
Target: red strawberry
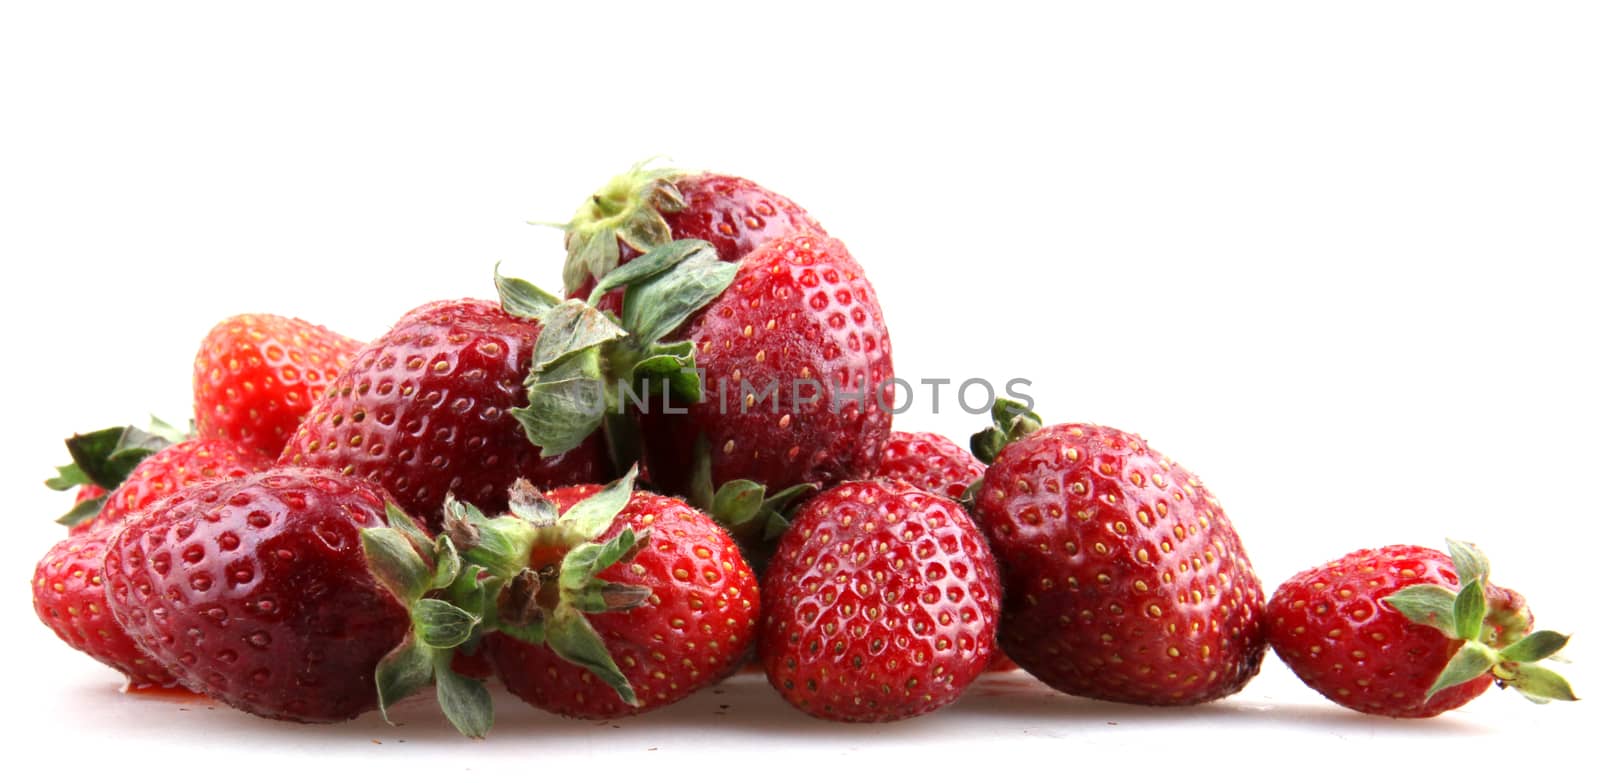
(772, 373)
(255, 591)
(257, 375)
(882, 602)
(1394, 632)
(646, 208)
(69, 597)
(1124, 579)
(427, 409)
(929, 462)
(627, 602)
(800, 322)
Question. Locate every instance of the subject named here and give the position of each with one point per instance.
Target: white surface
(1339, 262)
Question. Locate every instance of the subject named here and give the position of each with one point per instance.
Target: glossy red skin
(69, 597)
(809, 313)
(169, 471)
(88, 492)
(929, 461)
(1124, 579)
(1332, 627)
(257, 375)
(882, 604)
(424, 411)
(732, 213)
(696, 628)
(255, 591)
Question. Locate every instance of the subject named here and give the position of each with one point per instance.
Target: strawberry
(882, 602)
(771, 373)
(255, 591)
(615, 602)
(1410, 632)
(256, 376)
(426, 410)
(929, 462)
(69, 597)
(645, 208)
(1124, 579)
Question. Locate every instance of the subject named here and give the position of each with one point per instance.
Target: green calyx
(105, 458)
(630, 210)
(1494, 634)
(589, 367)
(444, 597)
(744, 508)
(532, 574)
(1012, 421)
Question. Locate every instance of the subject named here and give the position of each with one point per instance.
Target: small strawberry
(1124, 579)
(256, 376)
(427, 410)
(929, 462)
(69, 597)
(1410, 632)
(645, 208)
(614, 602)
(256, 592)
(881, 604)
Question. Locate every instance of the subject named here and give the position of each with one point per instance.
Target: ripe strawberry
(882, 603)
(1410, 632)
(1124, 579)
(69, 597)
(796, 359)
(426, 410)
(929, 462)
(629, 602)
(255, 592)
(645, 208)
(257, 375)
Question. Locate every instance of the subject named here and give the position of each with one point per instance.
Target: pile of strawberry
(586, 499)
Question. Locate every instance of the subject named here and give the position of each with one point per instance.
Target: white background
(1336, 259)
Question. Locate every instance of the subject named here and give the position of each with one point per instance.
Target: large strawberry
(760, 379)
(69, 598)
(881, 603)
(257, 591)
(1124, 578)
(1410, 632)
(426, 410)
(647, 207)
(256, 376)
(606, 601)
